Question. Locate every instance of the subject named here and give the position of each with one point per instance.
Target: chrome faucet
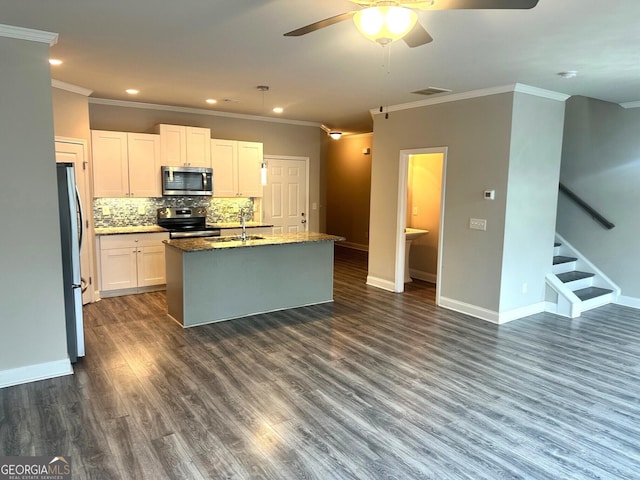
(243, 224)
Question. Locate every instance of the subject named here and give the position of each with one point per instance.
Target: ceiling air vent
(431, 91)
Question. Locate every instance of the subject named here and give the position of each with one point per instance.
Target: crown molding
(485, 92)
(198, 111)
(630, 105)
(70, 87)
(541, 92)
(21, 33)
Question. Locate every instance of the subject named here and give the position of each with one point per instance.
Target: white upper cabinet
(125, 164)
(236, 168)
(184, 146)
(110, 164)
(224, 154)
(250, 158)
(144, 165)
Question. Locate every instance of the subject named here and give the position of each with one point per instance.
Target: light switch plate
(478, 223)
(106, 211)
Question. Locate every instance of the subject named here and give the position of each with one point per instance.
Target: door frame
(88, 210)
(403, 174)
(306, 167)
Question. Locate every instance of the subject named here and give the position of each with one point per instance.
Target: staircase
(576, 284)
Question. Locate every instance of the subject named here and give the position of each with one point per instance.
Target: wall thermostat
(489, 194)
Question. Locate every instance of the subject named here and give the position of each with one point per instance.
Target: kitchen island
(221, 278)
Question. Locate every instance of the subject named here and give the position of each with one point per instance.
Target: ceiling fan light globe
(385, 24)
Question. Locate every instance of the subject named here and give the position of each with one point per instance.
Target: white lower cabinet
(131, 263)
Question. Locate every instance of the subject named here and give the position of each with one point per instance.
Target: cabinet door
(249, 162)
(198, 147)
(173, 145)
(118, 268)
(110, 164)
(224, 154)
(151, 266)
(144, 165)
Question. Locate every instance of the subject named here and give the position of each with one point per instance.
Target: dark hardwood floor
(375, 385)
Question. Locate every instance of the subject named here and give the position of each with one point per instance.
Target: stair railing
(586, 207)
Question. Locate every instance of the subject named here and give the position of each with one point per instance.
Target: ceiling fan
(386, 21)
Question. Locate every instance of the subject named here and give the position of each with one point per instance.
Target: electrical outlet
(477, 223)
(314, 206)
(142, 210)
(106, 211)
(414, 211)
(525, 288)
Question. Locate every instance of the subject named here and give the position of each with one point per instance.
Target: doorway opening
(421, 194)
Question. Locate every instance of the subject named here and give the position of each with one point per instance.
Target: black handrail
(586, 207)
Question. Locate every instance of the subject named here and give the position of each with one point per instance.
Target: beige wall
(32, 323)
(303, 140)
(349, 189)
(478, 153)
(424, 192)
(478, 134)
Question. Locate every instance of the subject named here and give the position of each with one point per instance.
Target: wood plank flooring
(373, 386)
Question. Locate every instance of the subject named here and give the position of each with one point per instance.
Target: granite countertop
(120, 230)
(202, 244)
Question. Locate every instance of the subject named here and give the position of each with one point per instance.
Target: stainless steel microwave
(187, 181)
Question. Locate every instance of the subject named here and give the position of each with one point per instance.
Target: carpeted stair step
(591, 292)
(559, 259)
(573, 276)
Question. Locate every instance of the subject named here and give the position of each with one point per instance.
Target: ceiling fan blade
(417, 36)
(469, 4)
(321, 24)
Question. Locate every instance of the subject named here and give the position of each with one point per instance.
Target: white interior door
(75, 152)
(285, 201)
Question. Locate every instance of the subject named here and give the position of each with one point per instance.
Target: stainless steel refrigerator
(71, 233)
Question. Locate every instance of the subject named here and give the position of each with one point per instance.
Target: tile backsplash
(124, 212)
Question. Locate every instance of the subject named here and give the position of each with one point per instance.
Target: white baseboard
(381, 283)
(33, 373)
(424, 276)
(353, 246)
(490, 315)
(627, 301)
(521, 312)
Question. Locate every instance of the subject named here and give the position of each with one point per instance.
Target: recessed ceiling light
(211, 101)
(568, 74)
(55, 61)
(278, 110)
(132, 91)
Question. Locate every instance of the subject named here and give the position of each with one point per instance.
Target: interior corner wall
(532, 194)
(32, 323)
(601, 164)
(349, 189)
(477, 133)
(278, 138)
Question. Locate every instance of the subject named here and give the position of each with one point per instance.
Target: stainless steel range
(186, 222)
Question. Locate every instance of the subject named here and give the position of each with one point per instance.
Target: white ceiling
(182, 52)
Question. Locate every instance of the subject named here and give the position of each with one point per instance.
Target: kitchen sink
(233, 238)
